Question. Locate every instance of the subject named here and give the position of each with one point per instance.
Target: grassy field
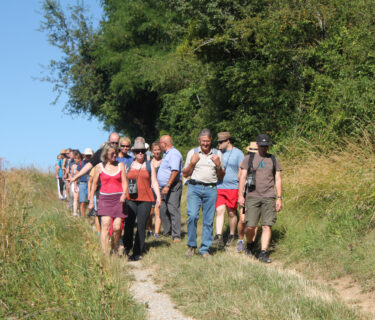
(328, 223)
(50, 263)
(326, 230)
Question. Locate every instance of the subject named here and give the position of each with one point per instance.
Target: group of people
(130, 184)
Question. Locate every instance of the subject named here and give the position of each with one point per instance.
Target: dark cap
(263, 140)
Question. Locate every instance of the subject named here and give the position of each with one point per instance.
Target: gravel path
(144, 290)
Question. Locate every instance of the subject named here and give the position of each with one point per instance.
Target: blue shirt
(60, 164)
(231, 162)
(127, 161)
(80, 165)
(172, 161)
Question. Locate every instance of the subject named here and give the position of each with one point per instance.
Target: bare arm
(188, 170)
(94, 186)
(124, 181)
(241, 185)
(155, 184)
(87, 167)
(279, 191)
(57, 170)
(172, 178)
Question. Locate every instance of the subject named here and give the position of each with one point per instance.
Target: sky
(32, 131)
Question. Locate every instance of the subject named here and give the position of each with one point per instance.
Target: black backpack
(251, 160)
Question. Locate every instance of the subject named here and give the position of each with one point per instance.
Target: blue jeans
(197, 195)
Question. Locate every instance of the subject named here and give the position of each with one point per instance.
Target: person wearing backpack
(141, 175)
(261, 174)
(203, 165)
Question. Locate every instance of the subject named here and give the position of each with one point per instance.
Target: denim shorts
(82, 186)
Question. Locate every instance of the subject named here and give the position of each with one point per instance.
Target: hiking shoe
(218, 241)
(205, 255)
(149, 233)
(240, 246)
(250, 249)
(135, 257)
(230, 240)
(176, 240)
(264, 257)
(190, 252)
(156, 236)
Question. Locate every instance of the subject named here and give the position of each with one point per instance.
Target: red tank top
(111, 183)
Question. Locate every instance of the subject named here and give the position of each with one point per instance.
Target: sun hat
(263, 140)
(88, 151)
(252, 147)
(139, 146)
(63, 151)
(223, 136)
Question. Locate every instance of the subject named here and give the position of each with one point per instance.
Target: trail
(144, 290)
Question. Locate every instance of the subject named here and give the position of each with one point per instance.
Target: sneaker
(190, 252)
(156, 236)
(135, 257)
(218, 241)
(205, 255)
(264, 257)
(250, 249)
(230, 240)
(176, 240)
(240, 246)
(149, 233)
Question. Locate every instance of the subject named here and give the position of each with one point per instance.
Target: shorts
(260, 208)
(82, 186)
(228, 197)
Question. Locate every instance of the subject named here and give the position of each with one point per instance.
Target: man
(203, 165)
(113, 138)
(169, 178)
(241, 227)
(227, 189)
(260, 197)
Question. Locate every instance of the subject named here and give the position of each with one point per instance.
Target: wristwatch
(168, 186)
(279, 197)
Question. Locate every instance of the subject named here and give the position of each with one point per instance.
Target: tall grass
(50, 263)
(329, 214)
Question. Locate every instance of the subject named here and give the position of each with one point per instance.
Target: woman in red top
(139, 204)
(112, 195)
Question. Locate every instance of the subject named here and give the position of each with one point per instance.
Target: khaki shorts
(260, 208)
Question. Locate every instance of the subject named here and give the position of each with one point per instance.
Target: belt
(195, 182)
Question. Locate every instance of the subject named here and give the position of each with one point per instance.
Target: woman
(112, 195)
(139, 201)
(156, 161)
(124, 156)
(77, 157)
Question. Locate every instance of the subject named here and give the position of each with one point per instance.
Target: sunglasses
(221, 141)
(116, 143)
(125, 146)
(139, 151)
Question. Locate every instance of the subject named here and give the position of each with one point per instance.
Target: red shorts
(228, 197)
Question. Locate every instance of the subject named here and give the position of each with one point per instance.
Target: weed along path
(144, 290)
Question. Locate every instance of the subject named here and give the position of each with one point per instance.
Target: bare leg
(241, 225)
(75, 201)
(83, 209)
(104, 237)
(157, 220)
(266, 237)
(232, 221)
(116, 233)
(97, 224)
(220, 212)
(250, 234)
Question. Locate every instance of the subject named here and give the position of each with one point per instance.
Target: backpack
(214, 151)
(251, 160)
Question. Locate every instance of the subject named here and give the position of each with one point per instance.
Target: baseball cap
(263, 140)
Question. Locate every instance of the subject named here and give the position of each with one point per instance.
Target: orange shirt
(143, 185)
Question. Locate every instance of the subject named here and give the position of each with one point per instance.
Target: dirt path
(144, 290)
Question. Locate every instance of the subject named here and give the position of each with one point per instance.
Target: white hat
(88, 151)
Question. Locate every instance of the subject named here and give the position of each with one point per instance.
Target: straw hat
(253, 147)
(221, 136)
(63, 151)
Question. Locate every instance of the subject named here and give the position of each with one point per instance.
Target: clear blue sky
(32, 130)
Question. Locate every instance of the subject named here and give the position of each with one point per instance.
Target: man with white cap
(261, 172)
